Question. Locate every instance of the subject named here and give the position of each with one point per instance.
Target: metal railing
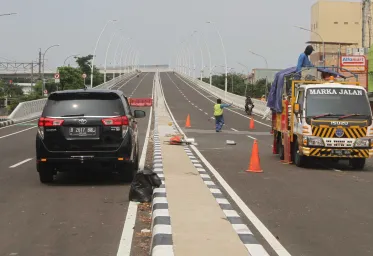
(238, 101)
(32, 109)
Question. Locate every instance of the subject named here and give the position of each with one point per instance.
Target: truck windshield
(337, 102)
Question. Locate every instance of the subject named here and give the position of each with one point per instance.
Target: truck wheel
(45, 174)
(299, 160)
(357, 163)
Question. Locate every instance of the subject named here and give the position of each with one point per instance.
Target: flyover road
(325, 209)
(78, 215)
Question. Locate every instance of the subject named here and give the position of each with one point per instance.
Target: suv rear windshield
(84, 103)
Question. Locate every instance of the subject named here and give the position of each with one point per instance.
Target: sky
(157, 29)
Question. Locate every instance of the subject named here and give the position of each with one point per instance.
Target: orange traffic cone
(255, 160)
(187, 123)
(252, 125)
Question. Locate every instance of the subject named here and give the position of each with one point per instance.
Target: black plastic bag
(141, 189)
(154, 179)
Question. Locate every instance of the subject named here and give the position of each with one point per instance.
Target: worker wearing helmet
(303, 60)
(218, 114)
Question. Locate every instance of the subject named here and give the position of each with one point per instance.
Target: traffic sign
(84, 76)
(57, 76)
(45, 92)
(10, 81)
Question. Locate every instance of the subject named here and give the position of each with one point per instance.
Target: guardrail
(32, 109)
(238, 101)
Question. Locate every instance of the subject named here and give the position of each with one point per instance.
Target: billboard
(354, 63)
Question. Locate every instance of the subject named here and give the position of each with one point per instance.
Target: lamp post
(116, 51)
(107, 51)
(200, 48)
(74, 55)
(208, 50)
(323, 42)
(94, 52)
(225, 59)
(8, 14)
(56, 45)
(266, 86)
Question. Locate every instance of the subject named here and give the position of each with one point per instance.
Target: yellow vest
(217, 110)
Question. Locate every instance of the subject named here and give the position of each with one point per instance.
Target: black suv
(87, 128)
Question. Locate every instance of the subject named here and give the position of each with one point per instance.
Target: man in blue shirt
(303, 60)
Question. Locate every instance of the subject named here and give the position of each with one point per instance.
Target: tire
(357, 163)
(128, 171)
(299, 160)
(46, 174)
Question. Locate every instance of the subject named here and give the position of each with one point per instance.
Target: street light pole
(323, 42)
(94, 52)
(208, 50)
(107, 51)
(266, 85)
(247, 68)
(74, 55)
(42, 90)
(8, 14)
(200, 48)
(225, 59)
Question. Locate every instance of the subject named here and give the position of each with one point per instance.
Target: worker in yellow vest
(218, 114)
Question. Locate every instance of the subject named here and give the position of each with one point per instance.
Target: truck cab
(324, 119)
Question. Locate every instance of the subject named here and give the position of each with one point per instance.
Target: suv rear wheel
(128, 172)
(45, 173)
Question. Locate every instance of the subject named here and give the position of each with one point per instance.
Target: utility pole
(39, 63)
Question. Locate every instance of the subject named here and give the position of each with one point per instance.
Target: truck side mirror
(296, 108)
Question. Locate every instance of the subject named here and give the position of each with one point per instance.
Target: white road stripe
(129, 224)
(20, 163)
(263, 230)
(14, 133)
(251, 137)
(234, 130)
(206, 113)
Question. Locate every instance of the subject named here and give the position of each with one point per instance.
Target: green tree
(85, 63)
(70, 78)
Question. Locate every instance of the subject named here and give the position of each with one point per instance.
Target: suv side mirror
(139, 114)
(296, 108)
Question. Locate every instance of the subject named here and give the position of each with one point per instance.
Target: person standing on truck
(303, 60)
(218, 114)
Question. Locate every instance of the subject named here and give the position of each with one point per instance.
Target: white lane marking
(8, 126)
(187, 83)
(138, 84)
(251, 137)
(129, 224)
(200, 109)
(263, 230)
(127, 234)
(20, 163)
(336, 170)
(234, 130)
(206, 113)
(125, 83)
(14, 133)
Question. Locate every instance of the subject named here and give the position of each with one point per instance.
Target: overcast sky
(157, 29)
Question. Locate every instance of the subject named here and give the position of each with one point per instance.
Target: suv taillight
(48, 122)
(115, 121)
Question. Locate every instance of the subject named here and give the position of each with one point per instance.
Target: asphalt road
(78, 215)
(325, 209)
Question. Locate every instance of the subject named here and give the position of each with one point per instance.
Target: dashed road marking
(234, 130)
(251, 137)
(20, 163)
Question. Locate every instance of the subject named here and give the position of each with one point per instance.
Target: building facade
(339, 25)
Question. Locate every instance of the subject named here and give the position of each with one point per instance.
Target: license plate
(82, 131)
(337, 152)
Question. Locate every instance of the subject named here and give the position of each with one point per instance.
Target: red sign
(57, 76)
(84, 76)
(141, 102)
(10, 81)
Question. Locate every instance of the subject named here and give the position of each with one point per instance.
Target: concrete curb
(244, 233)
(6, 123)
(161, 243)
